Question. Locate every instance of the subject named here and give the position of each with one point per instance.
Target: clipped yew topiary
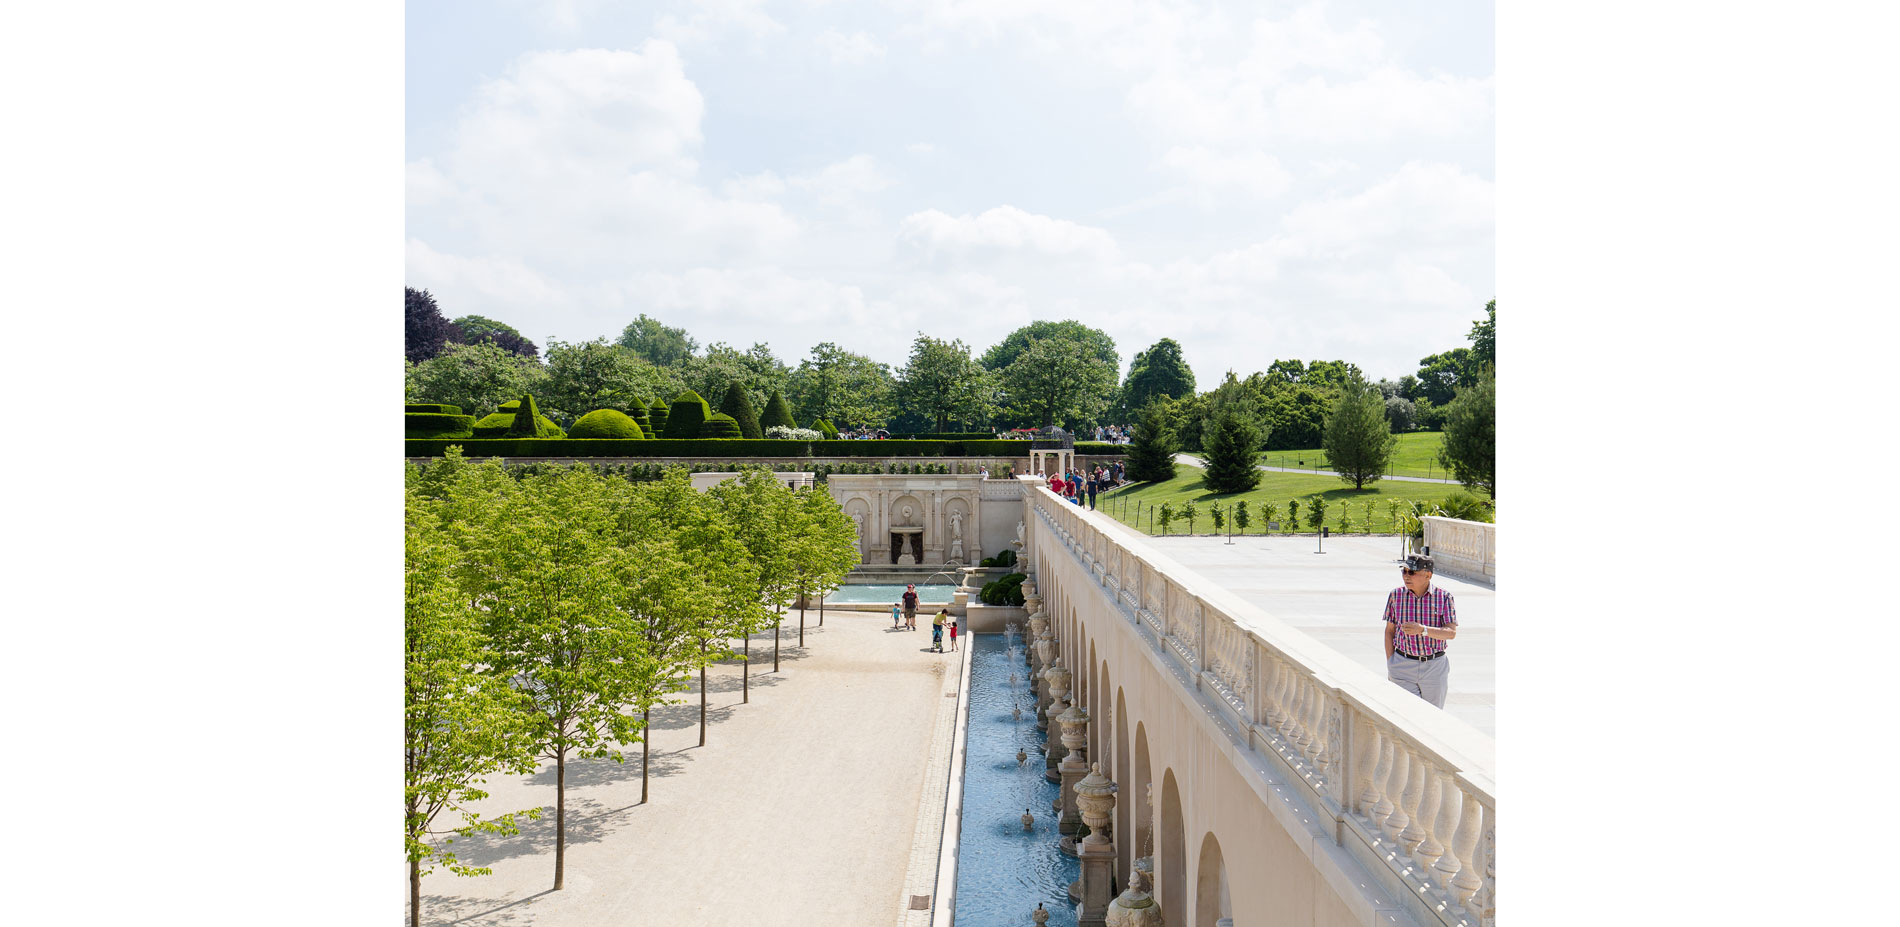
(437, 425)
(823, 427)
(439, 408)
(639, 415)
(777, 412)
(720, 425)
(606, 423)
(657, 413)
(689, 412)
(530, 423)
(739, 406)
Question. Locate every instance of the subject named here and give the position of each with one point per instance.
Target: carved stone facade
(928, 519)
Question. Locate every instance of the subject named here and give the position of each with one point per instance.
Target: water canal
(1002, 870)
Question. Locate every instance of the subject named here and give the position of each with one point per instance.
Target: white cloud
(713, 20)
(1250, 170)
(1002, 230)
(854, 175)
(922, 148)
(1388, 103)
(854, 48)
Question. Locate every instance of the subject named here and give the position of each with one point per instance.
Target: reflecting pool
(891, 594)
(1002, 871)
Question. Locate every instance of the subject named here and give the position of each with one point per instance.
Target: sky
(1255, 180)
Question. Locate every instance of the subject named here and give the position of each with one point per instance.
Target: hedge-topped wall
(741, 447)
(437, 425)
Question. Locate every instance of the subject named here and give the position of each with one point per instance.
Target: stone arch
(956, 514)
(1212, 899)
(912, 544)
(858, 509)
(1171, 876)
(1098, 716)
(1144, 830)
(1124, 809)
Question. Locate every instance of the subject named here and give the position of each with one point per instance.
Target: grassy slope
(1416, 455)
(1187, 486)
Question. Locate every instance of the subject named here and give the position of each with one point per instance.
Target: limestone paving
(1338, 598)
(801, 809)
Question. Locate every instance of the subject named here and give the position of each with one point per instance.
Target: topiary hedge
(606, 423)
(1101, 448)
(823, 427)
(719, 426)
(777, 412)
(738, 405)
(439, 408)
(437, 425)
(667, 447)
(530, 423)
(639, 414)
(657, 413)
(1005, 591)
(687, 414)
(943, 436)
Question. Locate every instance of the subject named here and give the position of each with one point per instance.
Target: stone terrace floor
(1339, 598)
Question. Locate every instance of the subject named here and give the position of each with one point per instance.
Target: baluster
(1409, 836)
(1382, 780)
(1313, 720)
(1488, 895)
(1424, 848)
(1446, 865)
(1269, 691)
(1463, 844)
(1366, 763)
(1401, 780)
(1295, 733)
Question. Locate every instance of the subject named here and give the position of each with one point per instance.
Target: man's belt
(1421, 659)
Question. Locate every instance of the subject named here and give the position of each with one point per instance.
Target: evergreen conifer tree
(1230, 445)
(739, 406)
(1470, 449)
(1358, 438)
(777, 412)
(1151, 449)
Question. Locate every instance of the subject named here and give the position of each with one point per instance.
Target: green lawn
(1416, 455)
(1135, 504)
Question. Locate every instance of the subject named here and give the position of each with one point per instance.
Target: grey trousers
(1427, 679)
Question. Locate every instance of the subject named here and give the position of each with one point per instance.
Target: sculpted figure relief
(956, 535)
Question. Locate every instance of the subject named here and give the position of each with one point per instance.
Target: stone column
(1095, 796)
(1072, 768)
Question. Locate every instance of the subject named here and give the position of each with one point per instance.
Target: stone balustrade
(1408, 787)
(1465, 549)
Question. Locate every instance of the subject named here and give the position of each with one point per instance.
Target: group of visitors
(1113, 434)
(908, 609)
(1080, 487)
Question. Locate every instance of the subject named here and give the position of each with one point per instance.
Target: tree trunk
(702, 699)
(646, 751)
(560, 818)
(775, 627)
(415, 893)
(745, 673)
(801, 619)
(821, 610)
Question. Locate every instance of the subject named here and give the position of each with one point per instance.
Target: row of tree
(548, 612)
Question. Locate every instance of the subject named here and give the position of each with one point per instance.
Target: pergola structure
(1051, 445)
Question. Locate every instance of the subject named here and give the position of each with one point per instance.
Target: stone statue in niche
(956, 535)
(1020, 542)
(857, 518)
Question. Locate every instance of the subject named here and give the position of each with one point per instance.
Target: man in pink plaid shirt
(1419, 619)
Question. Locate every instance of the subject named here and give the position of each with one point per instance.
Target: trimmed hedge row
(611, 424)
(439, 408)
(721, 447)
(1100, 448)
(437, 425)
(943, 436)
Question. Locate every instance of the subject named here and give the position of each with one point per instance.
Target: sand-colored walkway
(800, 809)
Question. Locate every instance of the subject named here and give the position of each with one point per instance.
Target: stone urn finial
(1029, 820)
(1134, 907)
(1017, 712)
(1022, 756)
(1041, 915)
(1095, 796)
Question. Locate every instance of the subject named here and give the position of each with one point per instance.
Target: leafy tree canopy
(1093, 341)
(1058, 380)
(1484, 350)
(1358, 439)
(656, 343)
(425, 332)
(943, 383)
(841, 387)
(757, 371)
(1470, 450)
(477, 377)
(476, 329)
(598, 375)
(1157, 372)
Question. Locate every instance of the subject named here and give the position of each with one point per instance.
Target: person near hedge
(910, 607)
(936, 630)
(1419, 619)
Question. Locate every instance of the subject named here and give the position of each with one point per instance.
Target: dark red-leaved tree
(424, 329)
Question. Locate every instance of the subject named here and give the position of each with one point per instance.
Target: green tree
(477, 377)
(1297, 418)
(757, 507)
(1091, 341)
(1190, 513)
(459, 719)
(1440, 374)
(1151, 447)
(558, 629)
(737, 405)
(1231, 451)
(777, 412)
(1359, 440)
(842, 388)
(1165, 516)
(943, 382)
(1268, 512)
(757, 370)
(1315, 512)
(1241, 517)
(1156, 373)
(1484, 349)
(1056, 380)
(1470, 446)
(824, 546)
(598, 375)
(656, 343)
(1293, 514)
(475, 328)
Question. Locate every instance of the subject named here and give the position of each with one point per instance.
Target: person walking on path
(910, 607)
(895, 616)
(936, 630)
(1094, 483)
(953, 632)
(1419, 619)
